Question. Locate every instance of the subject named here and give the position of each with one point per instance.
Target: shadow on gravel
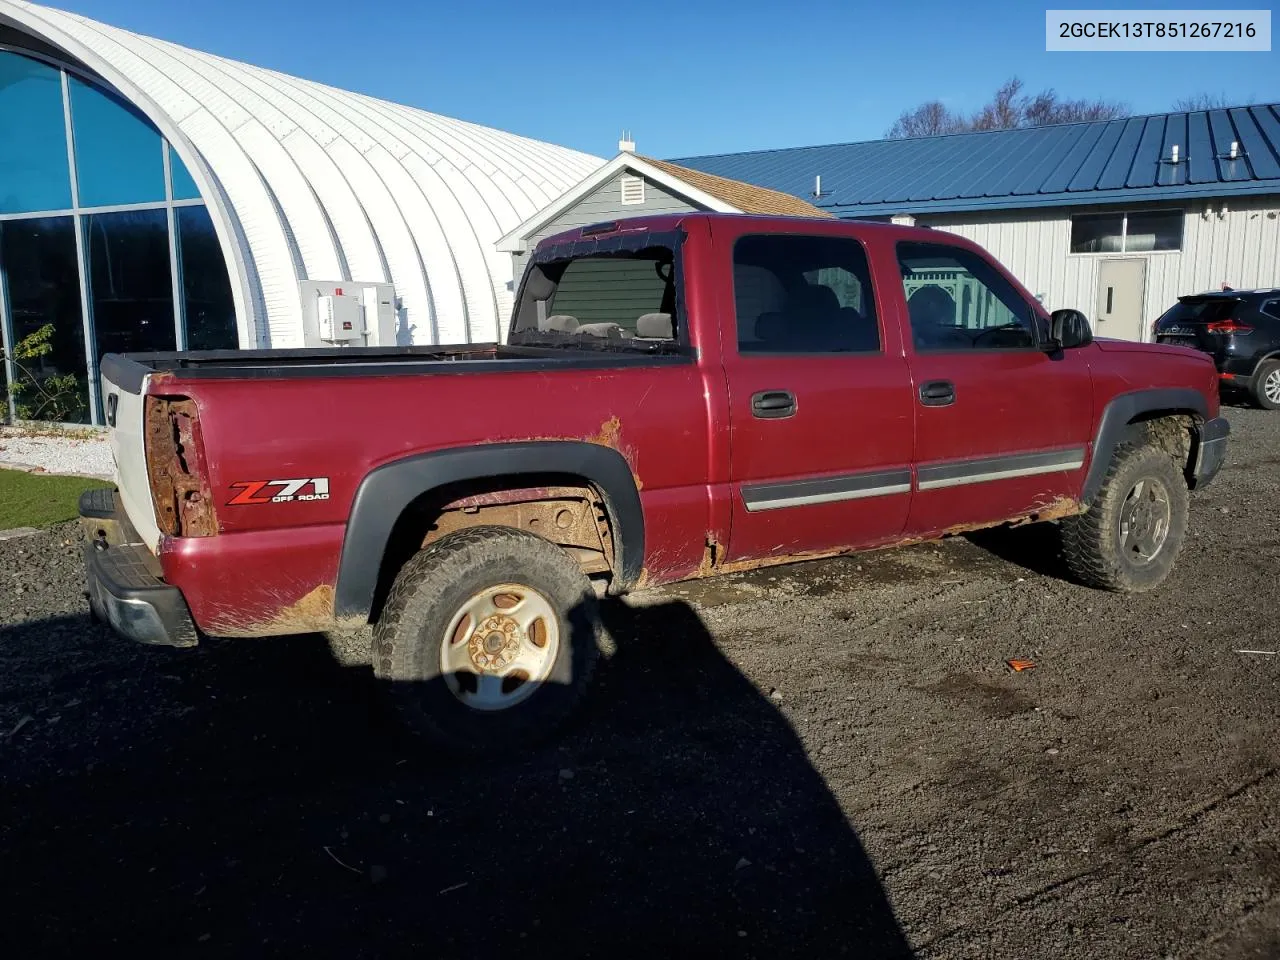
(1036, 547)
(254, 798)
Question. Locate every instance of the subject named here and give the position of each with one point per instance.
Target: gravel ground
(821, 760)
(87, 455)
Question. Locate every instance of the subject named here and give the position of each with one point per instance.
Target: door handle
(773, 404)
(938, 393)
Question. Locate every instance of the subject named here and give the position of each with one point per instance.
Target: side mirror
(1069, 328)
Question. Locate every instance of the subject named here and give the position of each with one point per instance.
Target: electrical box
(340, 318)
(371, 308)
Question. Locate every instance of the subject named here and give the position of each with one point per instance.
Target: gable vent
(632, 189)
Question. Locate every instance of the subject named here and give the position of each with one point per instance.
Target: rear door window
(803, 294)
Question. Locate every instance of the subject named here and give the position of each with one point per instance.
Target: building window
(118, 153)
(206, 289)
(130, 282)
(33, 137)
(632, 189)
(125, 258)
(1127, 232)
(43, 291)
(184, 187)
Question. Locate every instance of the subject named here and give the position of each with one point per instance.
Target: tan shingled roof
(744, 196)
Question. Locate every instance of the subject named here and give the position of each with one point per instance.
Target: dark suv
(1240, 328)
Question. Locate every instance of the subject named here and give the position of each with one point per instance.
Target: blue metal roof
(1107, 161)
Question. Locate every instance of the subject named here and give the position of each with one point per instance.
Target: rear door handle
(773, 404)
(938, 393)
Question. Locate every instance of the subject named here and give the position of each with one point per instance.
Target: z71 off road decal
(278, 491)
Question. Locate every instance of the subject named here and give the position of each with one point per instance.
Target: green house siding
(605, 203)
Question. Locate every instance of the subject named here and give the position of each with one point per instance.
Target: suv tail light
(1229, 327)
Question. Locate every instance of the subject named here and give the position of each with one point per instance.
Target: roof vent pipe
(817, 185)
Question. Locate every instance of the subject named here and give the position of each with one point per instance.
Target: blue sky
(690, 77)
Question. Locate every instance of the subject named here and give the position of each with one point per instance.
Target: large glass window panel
(118, 151)
(129, 281)
(206, 287)
(38, 264)
(184, 187)
(1153, 230)
(33, 137)
(1097, 233)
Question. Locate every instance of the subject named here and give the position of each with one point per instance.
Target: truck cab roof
(663, 222)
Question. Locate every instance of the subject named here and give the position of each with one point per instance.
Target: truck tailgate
(123, 405)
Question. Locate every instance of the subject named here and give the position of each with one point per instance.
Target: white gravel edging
(80, 455)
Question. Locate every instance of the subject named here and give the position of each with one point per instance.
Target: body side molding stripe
(955, 473)
(797, 493)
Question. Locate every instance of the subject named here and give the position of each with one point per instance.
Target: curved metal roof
(311, 182)
(1106, 161)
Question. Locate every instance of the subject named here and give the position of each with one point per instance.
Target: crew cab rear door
(820, 401)
(1002, 426)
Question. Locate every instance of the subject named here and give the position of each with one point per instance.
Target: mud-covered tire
(1093, 542)
(1266, 385)
(413, 636)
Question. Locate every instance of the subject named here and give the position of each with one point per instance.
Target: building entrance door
(1122, 284)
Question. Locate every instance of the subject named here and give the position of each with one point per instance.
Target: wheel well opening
(1177, 432)
(565, 509)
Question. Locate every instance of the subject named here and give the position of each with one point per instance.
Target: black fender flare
(1121, 411)
(387, 490)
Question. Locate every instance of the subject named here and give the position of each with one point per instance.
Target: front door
(1002, 426)
(1122, 285)
(820, 397)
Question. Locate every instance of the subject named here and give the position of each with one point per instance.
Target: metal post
(175, 264)
(6, 338)
(82, 254)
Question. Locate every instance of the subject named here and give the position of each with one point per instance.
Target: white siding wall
(1241, 248)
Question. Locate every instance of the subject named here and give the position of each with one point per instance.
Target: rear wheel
(1130, 536)
(1266, 389)
(488, 639)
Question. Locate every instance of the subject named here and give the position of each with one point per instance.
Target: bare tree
(927, 120)
(1008, 109)
(1202, 101)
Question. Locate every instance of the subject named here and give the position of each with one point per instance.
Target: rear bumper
(1211, 451)
(123, 585)
(1236, 370)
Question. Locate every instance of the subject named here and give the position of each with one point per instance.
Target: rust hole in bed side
(180, 491)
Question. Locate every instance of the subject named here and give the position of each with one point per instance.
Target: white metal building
(1115, 218)
(313, 189)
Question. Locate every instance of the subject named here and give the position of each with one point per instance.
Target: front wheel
(1132, 533)
(488, 639)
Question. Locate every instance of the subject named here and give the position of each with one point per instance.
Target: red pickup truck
(677, 397)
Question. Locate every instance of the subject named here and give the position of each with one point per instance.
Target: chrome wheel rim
(500, 647)
(1271, 386)
(1144, 521)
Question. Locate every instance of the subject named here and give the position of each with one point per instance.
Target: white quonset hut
(309, 189)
